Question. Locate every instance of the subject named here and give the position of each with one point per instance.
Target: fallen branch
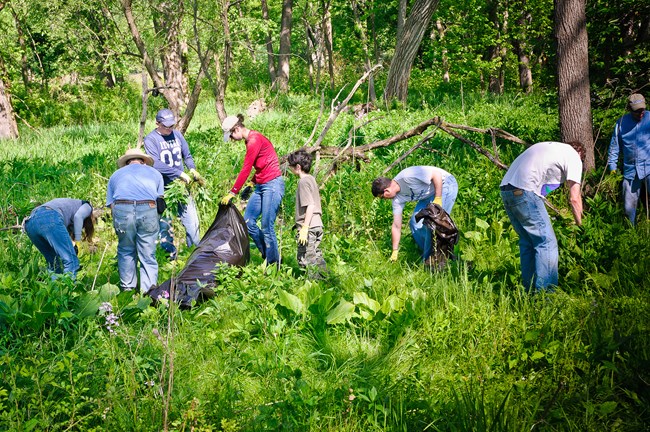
(494, 159)
(12, 228)
(409, 151)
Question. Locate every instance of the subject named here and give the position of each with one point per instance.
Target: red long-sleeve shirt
(261, 155)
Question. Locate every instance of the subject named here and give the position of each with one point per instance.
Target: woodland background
(375, 346)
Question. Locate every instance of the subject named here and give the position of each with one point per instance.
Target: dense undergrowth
(376, 346)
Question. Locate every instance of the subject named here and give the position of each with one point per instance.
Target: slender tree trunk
(521, 47)
(440, 32)
(361, 28)
(269, 44)
(8, 126)
(573, 75)
(497, 52)
(406, 49)
(282, 81)
(25, 71)
(326, 26)
(401, 17)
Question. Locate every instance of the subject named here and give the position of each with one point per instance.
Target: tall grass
(376, 346)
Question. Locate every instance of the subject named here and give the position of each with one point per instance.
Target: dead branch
(320, 114)
(409, 151)
(494, 159)
(336, 110)
(496, 131)
(12, 228)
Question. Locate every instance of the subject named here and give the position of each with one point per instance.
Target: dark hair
(89, 224)
(302, 158)
(379, 185)
(579, 147)
(240, 117)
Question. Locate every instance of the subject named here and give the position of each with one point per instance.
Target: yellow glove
(227, 198)
(612, 172)
(302, 234)
(438, 200)
(197, 177)
(393, 256)
(187, 179)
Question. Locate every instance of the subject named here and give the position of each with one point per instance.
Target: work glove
(227, 198)
(438, 200)
(612, 172)
(197, 177)
(302, 234)
(187, 179)
(393, 256)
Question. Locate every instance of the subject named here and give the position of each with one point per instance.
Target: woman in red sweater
(269, 185)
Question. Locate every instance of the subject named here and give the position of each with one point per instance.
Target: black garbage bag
(444, 234)
(226, 241)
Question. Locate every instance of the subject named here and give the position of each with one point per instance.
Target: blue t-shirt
(135, 182)
(633, 139)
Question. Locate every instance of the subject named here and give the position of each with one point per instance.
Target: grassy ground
(376, 346)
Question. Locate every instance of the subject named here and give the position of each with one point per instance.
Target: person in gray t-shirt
(308, 216)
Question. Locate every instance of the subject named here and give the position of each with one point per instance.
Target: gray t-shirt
(543, 167)
(73, 212)
(306, 194)
(415, 184)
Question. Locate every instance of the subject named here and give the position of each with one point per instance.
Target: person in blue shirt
(170, 152)
(631, 137)
(55, 228)
(134, 191)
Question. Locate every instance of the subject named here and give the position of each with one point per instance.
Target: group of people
(536, 172)
(135, 195)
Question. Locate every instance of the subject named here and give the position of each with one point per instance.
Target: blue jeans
(538, 250)
(631, 193)
(136, 226)
(189, 218)
(46, 229)
(265, 202)
(421, 233)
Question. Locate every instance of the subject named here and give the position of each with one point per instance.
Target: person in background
(536, 172)
(308, 216)
(424, 184)
(134, 195)
(269, 185)
(55, 229)
(631, 137)
(170, 151)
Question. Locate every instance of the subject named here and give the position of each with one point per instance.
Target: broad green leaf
(537, 355)
(361, 298)
(343, 312)
(290, 301)
(482, 224)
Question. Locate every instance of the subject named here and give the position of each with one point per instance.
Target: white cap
(227, 125)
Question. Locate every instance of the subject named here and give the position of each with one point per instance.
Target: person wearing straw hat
(55, 229)
(134, 195)
(269, 185)
(631, 137)
(170, 151)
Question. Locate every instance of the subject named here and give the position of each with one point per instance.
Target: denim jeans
(631, 193)
(136, 226)
(265, 202)
(189, 218)
(46, 229)
(421, 233)
(538, 250)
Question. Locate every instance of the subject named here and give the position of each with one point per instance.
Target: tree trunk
(361, 27)
(440, 33)
(25, 71)
(573, 75)
(521, 46)
(326, 26)
(282, 80)
(269, 44)
(497, 52)
(406, 49)
(8, 126)
(401, 17)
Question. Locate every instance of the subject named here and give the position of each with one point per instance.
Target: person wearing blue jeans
(269, 185)
(631, 138)
(133, 194)
(424, 184)
(50, 227)
(170, 153)
(536, 172)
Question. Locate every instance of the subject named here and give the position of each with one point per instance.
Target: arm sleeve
(109, 193)
(153, 150)
(252, 150)
(84, 211)
(614, 147)
(187, 156)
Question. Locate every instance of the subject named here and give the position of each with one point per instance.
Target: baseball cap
(166, 117)
(635, 102)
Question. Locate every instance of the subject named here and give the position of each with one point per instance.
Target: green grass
(375, 347)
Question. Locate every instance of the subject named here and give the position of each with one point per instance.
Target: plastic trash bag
(226, 241)
(444, 234)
